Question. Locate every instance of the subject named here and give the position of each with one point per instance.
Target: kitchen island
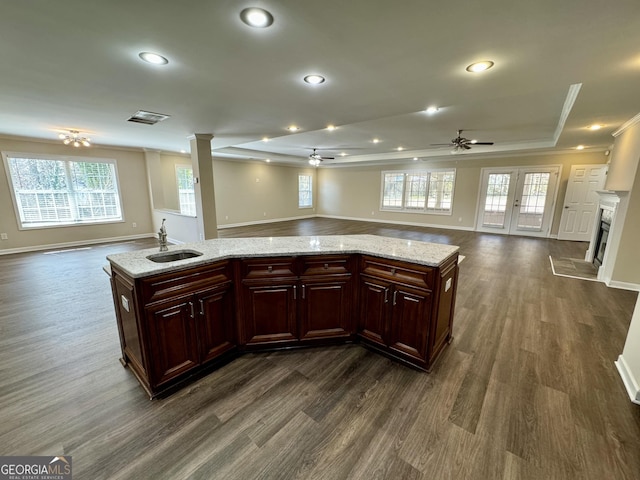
(183, 312)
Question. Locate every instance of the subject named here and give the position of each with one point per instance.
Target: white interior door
(518, 201)
(581, 202)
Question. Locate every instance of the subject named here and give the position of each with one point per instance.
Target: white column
(202, 164)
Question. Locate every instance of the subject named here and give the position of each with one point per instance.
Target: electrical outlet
(4, 236)
(134, 225)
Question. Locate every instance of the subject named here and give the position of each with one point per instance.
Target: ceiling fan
(315, 158)
(461, 143)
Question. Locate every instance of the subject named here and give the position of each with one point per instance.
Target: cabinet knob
(270, 269)
(393, 271)
(326, 266)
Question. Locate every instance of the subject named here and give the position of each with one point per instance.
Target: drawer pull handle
(393, 271)
(326, 266)
(295, 293)
(270, 269)
(395, 293)
(191, 308)
(386, 295)
(202, 307)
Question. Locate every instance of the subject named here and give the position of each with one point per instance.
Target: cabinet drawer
(171, 284)
(326, 265)
(410, 274)
(260, 268)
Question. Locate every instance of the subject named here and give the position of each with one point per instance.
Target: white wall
(629, 362)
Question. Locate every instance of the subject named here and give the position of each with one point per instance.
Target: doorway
(517, 201)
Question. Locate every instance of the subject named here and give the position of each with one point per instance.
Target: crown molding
(628, 124)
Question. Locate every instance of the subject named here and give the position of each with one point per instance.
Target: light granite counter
(136, 264)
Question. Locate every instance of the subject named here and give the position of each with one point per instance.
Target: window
(58, 191)
(186, 190)
(419, 191)
(305, 191)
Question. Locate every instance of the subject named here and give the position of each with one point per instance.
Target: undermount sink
(165, 257)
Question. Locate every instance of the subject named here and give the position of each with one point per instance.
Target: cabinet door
(215, 322)
(270, 313)
(172, 340)
(409, 324)
(325, 308)
(374, 306)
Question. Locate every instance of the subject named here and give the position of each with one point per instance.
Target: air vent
(148, 118)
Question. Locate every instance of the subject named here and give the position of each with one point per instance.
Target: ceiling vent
(148, 118)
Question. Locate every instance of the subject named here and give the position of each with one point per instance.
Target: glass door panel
(495, 205)
(534, 195)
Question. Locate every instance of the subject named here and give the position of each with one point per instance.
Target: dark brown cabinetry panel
(325, 309)
(409, 322)
(172, 339)
(214, 321)
(374, 310)
(270, 313)
(175, 324)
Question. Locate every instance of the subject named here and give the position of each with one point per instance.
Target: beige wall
(354, 192)
(624, 165)
(133, 190)
(253, 192)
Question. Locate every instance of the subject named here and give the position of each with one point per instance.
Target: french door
(517, 201)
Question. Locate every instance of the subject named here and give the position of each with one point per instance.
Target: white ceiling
(74, 65)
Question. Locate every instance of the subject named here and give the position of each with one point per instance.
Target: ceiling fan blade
(327, 158)
(466, 147)
(442, 144)
(483, 143)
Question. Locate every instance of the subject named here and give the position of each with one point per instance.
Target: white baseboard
(630, 383)
(396, 222)
(259, 222)
(80, 243)
(622, 285)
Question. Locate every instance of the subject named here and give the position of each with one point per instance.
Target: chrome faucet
(162, 237)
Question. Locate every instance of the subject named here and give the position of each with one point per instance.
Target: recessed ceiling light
(400, 149)
(256, 17)
(415, 158)
(154, 58)
(183, 151)
(595, 126)
(431, 110)
(265, 139)
(268, 160)
(473, 141)
(376, 140)
(480, 66)
(293, 128)
(314, 79)
(580, 147)
(342, 154)
(331, 128)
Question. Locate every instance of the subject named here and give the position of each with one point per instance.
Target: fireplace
(606, 217)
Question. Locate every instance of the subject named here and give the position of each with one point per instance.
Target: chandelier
(74, 138)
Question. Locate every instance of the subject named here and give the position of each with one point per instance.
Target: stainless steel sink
(173, 256)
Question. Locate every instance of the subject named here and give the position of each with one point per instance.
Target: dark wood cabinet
(270, 313)
(173, 325)
(326, 297)
(287, 300)
(397, 305)
(173, 344)
(214, 322)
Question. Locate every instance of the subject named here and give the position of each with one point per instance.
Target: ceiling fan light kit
(75, 139)
(460, 144)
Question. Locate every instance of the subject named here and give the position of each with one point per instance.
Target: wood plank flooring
(527, 389)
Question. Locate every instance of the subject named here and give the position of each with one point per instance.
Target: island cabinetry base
(181, 323)
(175, 323)
(398, 303)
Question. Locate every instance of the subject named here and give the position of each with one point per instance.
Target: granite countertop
(136, 264)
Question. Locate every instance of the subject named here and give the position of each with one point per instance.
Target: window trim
(195, 206)
(421, 210)
(310, 191)
(65, 158)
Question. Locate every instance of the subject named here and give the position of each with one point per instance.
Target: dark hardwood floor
(527, 389)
